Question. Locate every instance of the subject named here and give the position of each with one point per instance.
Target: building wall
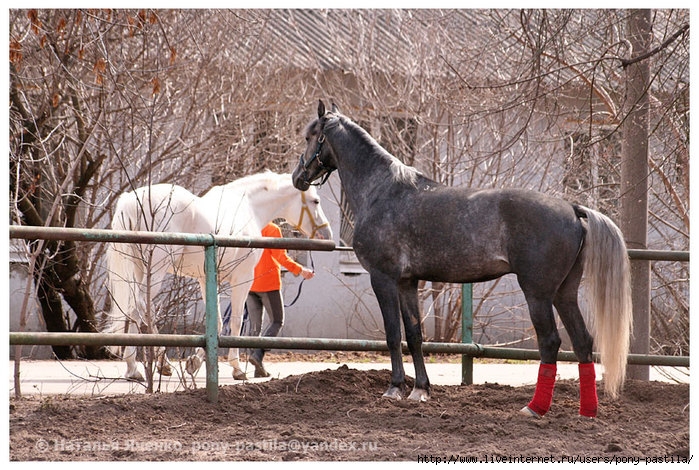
(17, 287)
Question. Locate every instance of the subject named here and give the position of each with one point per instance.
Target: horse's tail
(608, 280)
(124, 266)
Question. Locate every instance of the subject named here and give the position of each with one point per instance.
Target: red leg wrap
(543, 394)
(588, 390)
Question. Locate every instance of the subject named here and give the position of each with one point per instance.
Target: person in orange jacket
(266, 292)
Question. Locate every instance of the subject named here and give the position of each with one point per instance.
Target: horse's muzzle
(300, 178)
(324, 232)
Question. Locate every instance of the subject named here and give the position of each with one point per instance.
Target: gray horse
(410, 228)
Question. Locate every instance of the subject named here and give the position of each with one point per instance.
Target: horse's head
(311, 220)
(318, 160)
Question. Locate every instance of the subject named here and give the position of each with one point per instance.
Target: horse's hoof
(394, 393)
(193, 365)
(260, 370)
(529, 412)
(135, 376)
(419, 394)
(239, 375)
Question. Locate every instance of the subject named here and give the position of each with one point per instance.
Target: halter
(305, 210)
(321, 165)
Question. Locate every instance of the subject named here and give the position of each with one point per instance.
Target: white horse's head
(273, 196)
(311, 220)
(301, 209)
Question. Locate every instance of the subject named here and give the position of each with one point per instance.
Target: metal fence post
(466, 332)
(211, 323)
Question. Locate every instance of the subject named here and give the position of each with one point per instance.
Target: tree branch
(626, 62)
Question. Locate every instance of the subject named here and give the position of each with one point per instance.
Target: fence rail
(211, 341)
(166, 238)
(328, 344)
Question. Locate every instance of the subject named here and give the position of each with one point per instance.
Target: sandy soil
(340, 415)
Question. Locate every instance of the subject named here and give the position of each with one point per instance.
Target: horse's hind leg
(130, 352)
(194, 361)
(151, 287)
(240, 280)
(238, 295)
(413, 335)
(541, 312)
(387, 295)
(162, 363)
(566, 303)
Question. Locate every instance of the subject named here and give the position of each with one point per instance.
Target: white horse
(241, 208)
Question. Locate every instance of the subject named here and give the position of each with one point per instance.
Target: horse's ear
(335, 109)
(321, 108)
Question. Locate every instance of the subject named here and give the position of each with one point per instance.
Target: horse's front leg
(410, 311)
(239, 294)
(236, 322)
(194, 362)
(386, 292)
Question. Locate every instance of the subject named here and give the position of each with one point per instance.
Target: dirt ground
(339, 415)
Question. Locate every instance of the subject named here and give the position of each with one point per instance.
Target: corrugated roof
(333, 39)
(392, 40)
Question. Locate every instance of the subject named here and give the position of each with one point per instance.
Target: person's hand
(307, 273)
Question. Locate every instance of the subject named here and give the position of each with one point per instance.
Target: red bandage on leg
(588, 390)
(543, 394)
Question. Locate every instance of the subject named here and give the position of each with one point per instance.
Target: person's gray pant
(273, 304)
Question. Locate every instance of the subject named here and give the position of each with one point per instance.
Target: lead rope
(298, 294)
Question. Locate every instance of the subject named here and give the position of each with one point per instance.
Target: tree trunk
(60, 276)
(51, 310)
(634, 180)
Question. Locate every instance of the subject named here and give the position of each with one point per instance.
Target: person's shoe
(256, 360)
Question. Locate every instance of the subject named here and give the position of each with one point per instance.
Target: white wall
(17, 287)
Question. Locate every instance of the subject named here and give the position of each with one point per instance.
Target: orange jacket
(268, 274)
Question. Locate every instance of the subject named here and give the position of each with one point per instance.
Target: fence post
(466, 332)
(211, 323)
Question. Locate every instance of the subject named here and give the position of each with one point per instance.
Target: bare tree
(106, 101)
(100, 103)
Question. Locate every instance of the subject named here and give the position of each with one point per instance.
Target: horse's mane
(400, 172)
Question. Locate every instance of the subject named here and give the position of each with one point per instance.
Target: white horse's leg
(241, 280)
(125, 274)
(194, 362)
(162, 363)
(239, 293)
(132, 372)
(234, 353)
(159, 260)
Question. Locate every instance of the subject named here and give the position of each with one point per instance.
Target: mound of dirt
(340, 415)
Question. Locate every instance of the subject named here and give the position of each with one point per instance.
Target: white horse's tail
(608, 280)
(124, 266)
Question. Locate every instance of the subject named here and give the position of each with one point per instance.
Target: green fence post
(211, 323)
(466, 332)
